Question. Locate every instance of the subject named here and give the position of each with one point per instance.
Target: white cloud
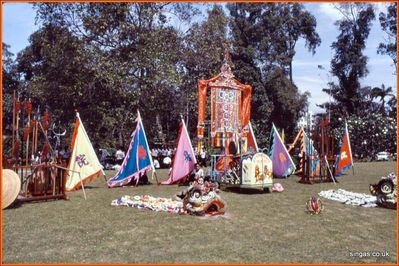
(299, 63)
(330, 11)
(380, 7)
(309, 79)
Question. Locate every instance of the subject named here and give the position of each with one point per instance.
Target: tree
(10, 82)
(132, 56)
(204, 50)
(58, 75)
(382, 93)
(388, 25)
(264, 36)
(369, 134)
(349, 64)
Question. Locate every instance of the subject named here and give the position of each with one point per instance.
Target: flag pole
(350, 148)
(148, 147)
(81, 182)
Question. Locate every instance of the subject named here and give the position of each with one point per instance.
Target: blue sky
(19, 23)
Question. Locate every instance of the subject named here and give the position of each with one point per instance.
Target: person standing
(203, 156)
(119, 156)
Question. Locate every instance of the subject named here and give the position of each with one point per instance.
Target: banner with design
(184, 160)
(84, 164)
(344, 160)
(283, 165)
(137, 161)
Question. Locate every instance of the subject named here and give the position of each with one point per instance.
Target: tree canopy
(107, 60)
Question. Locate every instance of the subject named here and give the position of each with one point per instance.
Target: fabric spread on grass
(350, 198)
(150, 203)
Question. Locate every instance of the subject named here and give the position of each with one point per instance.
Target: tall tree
(204, 49)
(349, 64)
(133, 54)
(388, 24)
(264, 36)
(10, 82)
(382, 93)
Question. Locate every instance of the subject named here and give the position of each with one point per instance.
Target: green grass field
(257, 228)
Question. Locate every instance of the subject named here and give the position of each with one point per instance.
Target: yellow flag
(83, 164)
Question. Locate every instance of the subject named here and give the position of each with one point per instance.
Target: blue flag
(283, 165)
(137, 161)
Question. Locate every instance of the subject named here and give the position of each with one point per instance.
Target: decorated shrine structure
(32, 155)
(314, 166)
(230, 109)
(230, 106)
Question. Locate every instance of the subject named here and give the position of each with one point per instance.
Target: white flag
(83, 161)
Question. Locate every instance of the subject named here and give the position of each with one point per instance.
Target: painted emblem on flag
(344, 155)
(81, 160)
(282, 157)
(187, 156)
(142, 152)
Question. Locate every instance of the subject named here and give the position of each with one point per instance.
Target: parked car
(382, 156)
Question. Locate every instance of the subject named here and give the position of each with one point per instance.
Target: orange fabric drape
(245, 104)
(202, 90)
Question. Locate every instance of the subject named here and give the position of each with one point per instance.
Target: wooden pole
(27, 140)
(13, 122)
(81, 183)
(36, 132)
(17, 122)
(156, 177)
(33, 137)
(328, 168)
(45, 135)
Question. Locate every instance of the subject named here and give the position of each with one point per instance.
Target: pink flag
(184, 160)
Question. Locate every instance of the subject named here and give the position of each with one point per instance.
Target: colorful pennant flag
(283, 165)
(344, 160)
(137, 161)
(251, 139)
(84, 164)
(184, 160)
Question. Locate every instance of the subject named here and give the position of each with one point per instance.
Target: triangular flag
(184, 160)
(344, 160)
(137, 161)
(84, 164)
(283, 165)
(251, 139)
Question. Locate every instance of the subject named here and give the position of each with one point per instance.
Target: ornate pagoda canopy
(230, 102)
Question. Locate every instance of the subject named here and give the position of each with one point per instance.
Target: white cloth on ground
(351, 198)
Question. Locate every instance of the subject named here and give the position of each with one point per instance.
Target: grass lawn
(257, 228)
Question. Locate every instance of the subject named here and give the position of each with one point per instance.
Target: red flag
(344, 160)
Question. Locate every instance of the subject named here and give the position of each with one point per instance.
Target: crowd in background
(162, 157)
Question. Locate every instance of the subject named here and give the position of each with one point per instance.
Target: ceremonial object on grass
(344, 160)
(137, 161)
(39, 176)
(11, 185)
(283, 165)
(84, 164)
(184, 160)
